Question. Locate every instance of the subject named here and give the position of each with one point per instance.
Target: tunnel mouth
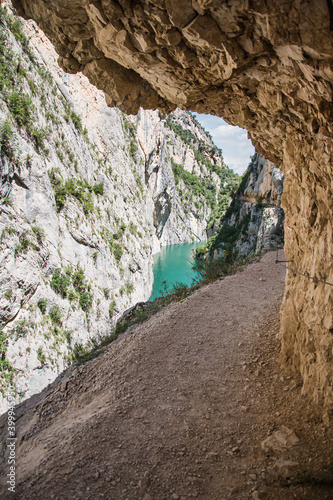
(263, 67)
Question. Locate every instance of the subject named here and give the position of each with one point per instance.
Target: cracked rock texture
(266, 66)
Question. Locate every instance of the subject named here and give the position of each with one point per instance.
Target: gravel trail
(178, 408)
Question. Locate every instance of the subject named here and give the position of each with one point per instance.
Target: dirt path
(178, 409)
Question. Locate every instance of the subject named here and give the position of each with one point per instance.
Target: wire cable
(277, 261)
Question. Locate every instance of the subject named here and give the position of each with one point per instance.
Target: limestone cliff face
(87, 195)
(254, 220)
(265, 66)
(184, 174)
(75, 223)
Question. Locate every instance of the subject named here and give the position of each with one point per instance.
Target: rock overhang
(261, 66)
(264, 66)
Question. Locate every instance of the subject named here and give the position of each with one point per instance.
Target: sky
(233, 141)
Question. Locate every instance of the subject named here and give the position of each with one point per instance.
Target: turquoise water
(173, 264)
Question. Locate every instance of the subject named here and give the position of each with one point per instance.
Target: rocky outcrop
(266, 66)
(254, 220)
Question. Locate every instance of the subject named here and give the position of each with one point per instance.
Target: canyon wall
(254, 220)
(186, 176)
(266, 66)
(75, 224)
(87, 196)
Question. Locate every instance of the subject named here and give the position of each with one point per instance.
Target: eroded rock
(263, 66)
(279, 441)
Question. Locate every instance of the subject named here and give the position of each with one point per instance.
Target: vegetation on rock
(204, 187)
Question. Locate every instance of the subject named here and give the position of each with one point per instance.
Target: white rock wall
(38, 348)
(140, 204)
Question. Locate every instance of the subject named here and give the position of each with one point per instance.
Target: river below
(173, 264)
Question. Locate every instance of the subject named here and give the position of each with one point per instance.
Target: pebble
(257, 495)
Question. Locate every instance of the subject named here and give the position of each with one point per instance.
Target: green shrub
(7, 371)
(55, 177)
(132, 228)
(60, 155)
(129, 287)
(88, 205)
(85, 301)
(7, 144)
(39, 233)
(39, 135)
(60, 282)
(41, 356)
(41, 304)
(119, 234)
(33, 87)
(60, 199)
(79, 352)
(52, 118)
(45, 74)
(7, 230)
(117, 251)
(24, 245)
(14, 24)
(21, 108)
(79, 281)
(8, 294)
(7, 78)
(68, 336)
(68, 270)
(130, 128)
(80, 190)
(179, 290)
(211, 269)
(56, 315)
(71, 295)
(98, 189)
(21, 328)
(133, 149)
(76, 121)
(112, 308)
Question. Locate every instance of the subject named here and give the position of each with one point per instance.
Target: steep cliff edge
(254, 220)
(265, 66)
(76, 235)
(87, 195)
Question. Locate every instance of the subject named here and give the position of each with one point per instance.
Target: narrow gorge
(88, 195)
(219, 391)
(263, 66)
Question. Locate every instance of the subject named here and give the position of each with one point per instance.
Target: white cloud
(236, 163)
(225, 131)
(233, 141)
(243, 136)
